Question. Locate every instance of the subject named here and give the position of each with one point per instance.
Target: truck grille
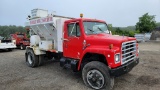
(128, 51)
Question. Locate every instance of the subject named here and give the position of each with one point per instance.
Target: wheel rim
(95, 79)
(29, 59)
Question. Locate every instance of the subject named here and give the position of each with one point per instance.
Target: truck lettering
(43, 20)
(38, 21)
(33, 22)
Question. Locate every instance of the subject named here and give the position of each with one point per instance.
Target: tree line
(123, 31)
(5, 31)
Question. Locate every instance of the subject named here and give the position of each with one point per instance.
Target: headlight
(117, 58)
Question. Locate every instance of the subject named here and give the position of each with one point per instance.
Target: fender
(36, 50)
(104, 50)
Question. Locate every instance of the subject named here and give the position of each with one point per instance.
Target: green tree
(110, 28)
(5, 31)
(158, 24)
(119, 31)
(146, 23)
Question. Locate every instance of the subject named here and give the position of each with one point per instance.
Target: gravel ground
(16, 75)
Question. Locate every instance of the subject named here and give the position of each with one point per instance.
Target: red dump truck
(82, 45)
(21, 40)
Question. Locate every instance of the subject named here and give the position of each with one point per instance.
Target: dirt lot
(16, 75)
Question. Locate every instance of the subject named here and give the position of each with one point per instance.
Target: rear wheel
(31, 59)
(96, 75)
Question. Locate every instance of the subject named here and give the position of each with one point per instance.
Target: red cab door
(73, 40)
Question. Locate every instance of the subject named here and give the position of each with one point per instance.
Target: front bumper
(124, 68)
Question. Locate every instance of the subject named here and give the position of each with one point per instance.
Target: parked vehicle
(82, 45)
(21, 40)
(7, 44)
(142, 37)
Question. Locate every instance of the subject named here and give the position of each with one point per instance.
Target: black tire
(41, 60)
(22, 47)
(95, 74)
(31, 58)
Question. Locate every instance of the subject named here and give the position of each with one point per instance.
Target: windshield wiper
(101, 29)
(90, 30)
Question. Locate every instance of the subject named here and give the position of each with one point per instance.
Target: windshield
(95, 27)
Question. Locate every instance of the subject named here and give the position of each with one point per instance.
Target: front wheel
(96, 75)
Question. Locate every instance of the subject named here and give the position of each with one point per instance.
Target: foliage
(5, 31)
(123, 32)
(128, 28)
(146, 23)
(158, 24)
(28, 35)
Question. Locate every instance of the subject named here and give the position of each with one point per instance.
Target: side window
(74, 29)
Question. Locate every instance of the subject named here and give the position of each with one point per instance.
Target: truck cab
(89, 37)
(82, 45)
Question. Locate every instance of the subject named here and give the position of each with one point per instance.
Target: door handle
(64, 39)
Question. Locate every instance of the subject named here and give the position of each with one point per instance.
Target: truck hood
(106, 39)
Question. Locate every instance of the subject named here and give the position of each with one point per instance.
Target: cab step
(69, 63)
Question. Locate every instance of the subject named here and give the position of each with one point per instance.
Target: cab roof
(85, 19)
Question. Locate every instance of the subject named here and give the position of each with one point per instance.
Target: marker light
(110, 46)
(81, 15)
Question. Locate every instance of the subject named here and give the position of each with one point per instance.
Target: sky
(119, 13)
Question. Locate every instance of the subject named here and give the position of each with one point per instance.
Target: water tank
(34, 40)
